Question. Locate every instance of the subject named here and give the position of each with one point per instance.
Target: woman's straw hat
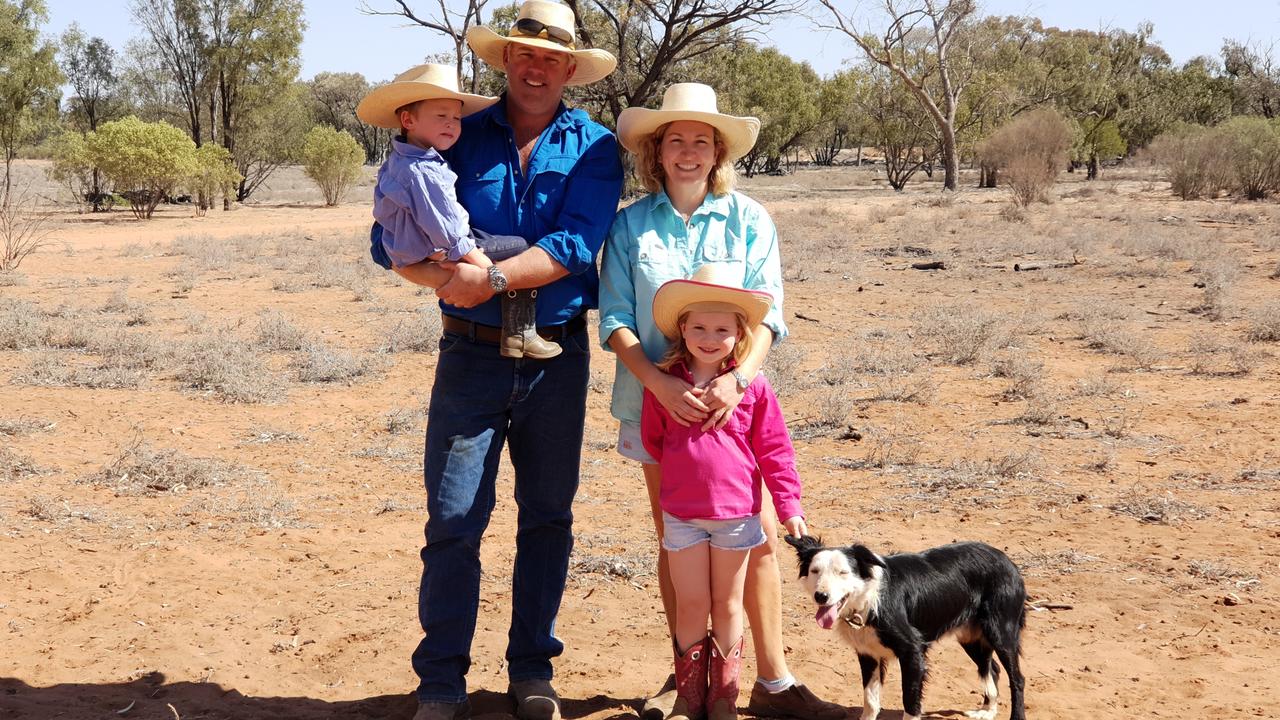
(709, 290)
(421, 82)
(547, 25)
(689, 101)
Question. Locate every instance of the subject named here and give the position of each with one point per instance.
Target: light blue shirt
(415, 203)
(650, 244)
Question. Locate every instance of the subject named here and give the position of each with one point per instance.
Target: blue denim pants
(480, 401)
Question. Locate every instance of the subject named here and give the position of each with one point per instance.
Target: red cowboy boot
(722, 697)
(691, 682)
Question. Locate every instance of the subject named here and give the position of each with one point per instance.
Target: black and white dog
(898, 606)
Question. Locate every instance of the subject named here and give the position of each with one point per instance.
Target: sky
(339, 38)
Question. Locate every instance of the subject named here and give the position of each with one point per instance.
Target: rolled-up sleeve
(590, 202)
(617, 287)
(764, 266)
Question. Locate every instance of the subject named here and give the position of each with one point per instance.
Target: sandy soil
(167, 551)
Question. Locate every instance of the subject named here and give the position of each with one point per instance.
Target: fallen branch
(800, 316)
(1041, 605)
(935, 265)
(1027, 268)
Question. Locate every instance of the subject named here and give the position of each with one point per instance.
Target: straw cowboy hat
(709, 290)
(421, 82)
(689, 101)
(547, 25)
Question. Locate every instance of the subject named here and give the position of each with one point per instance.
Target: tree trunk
(950, 158)
(987, 176)
(1093, 167)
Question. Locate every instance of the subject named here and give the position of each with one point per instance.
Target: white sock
(777, 686)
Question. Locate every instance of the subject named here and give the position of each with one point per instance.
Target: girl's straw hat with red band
(707, 291)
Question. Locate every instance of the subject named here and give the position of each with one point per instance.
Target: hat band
(531, 28)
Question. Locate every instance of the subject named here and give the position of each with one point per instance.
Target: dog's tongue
(827, 615)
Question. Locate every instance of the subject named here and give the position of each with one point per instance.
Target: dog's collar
(855, 620)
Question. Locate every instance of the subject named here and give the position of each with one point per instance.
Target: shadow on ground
(152, 697)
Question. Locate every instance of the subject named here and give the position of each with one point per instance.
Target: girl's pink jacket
(715, 475)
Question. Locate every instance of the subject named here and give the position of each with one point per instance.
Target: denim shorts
(736, 534)
(630, 445)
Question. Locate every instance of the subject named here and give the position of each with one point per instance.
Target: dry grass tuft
(18, 427)
(1220, 571)
(268, 436)
(1264, 323)
(227, 367)
(141, 470)
(319, 363)
(420, 332)
(403, 420)
(1207, 353)
(14, 466)
(1026, 376)
(21, 326)
(783, 368)
(1160, 509)
(275, 332)
(963, 334)
(1062, 562)
(1217, 274)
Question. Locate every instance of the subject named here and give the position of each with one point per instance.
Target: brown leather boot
(659, 706)
(520, 336)
(722, 696)
(691, 682)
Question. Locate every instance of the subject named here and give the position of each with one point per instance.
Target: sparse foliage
(332, 159)
(1030, 151)
(24, 229)
(145, 161)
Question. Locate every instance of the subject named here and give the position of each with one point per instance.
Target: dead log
(936, 265)
(1027, 268)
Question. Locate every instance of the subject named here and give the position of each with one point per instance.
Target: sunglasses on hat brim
(537, 28)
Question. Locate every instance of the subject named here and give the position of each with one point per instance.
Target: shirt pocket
(482, 189)
(722, 245)
(547, 193)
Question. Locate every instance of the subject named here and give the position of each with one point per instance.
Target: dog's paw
(981, 714)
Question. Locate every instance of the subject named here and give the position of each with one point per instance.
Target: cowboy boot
(722, 696)
(691, 682)
(520, 336)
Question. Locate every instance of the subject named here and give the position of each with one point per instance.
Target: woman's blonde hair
(649, 164)
(679, 353)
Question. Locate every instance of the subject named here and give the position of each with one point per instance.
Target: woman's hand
(721, 398)
(680, 399)
(795, 526)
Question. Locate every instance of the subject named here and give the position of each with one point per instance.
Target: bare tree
(24, 229)
(652, 39)
(917, 48)
(178, 36)
(451, 22)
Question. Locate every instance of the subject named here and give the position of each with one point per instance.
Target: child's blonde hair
(649, 164)
(679, 353)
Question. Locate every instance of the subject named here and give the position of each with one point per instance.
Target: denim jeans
(480, 401)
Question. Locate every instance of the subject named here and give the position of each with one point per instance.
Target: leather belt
(493, 335)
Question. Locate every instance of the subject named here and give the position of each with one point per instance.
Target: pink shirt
(716, 475)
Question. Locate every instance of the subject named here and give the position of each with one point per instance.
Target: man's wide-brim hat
(421, 82)
(689, 101)
(546, 25)
(709, 290)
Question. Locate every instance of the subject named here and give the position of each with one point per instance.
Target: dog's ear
(866, 560)
(806, 547)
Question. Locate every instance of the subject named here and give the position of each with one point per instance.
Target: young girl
(710, 492)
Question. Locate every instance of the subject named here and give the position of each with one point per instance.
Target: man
(531, 167)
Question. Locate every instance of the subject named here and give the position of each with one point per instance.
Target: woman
(691, 217)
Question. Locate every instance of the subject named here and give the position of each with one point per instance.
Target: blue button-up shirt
(563, 204)
(415, 203)
(650, 243)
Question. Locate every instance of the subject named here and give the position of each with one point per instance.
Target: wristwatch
(743, 382)
(497, 280)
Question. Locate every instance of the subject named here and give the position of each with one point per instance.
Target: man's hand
(468, 287)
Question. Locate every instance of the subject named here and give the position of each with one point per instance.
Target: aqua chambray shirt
(650, 244)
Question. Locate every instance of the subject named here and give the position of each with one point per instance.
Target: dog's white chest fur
(864, 641)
